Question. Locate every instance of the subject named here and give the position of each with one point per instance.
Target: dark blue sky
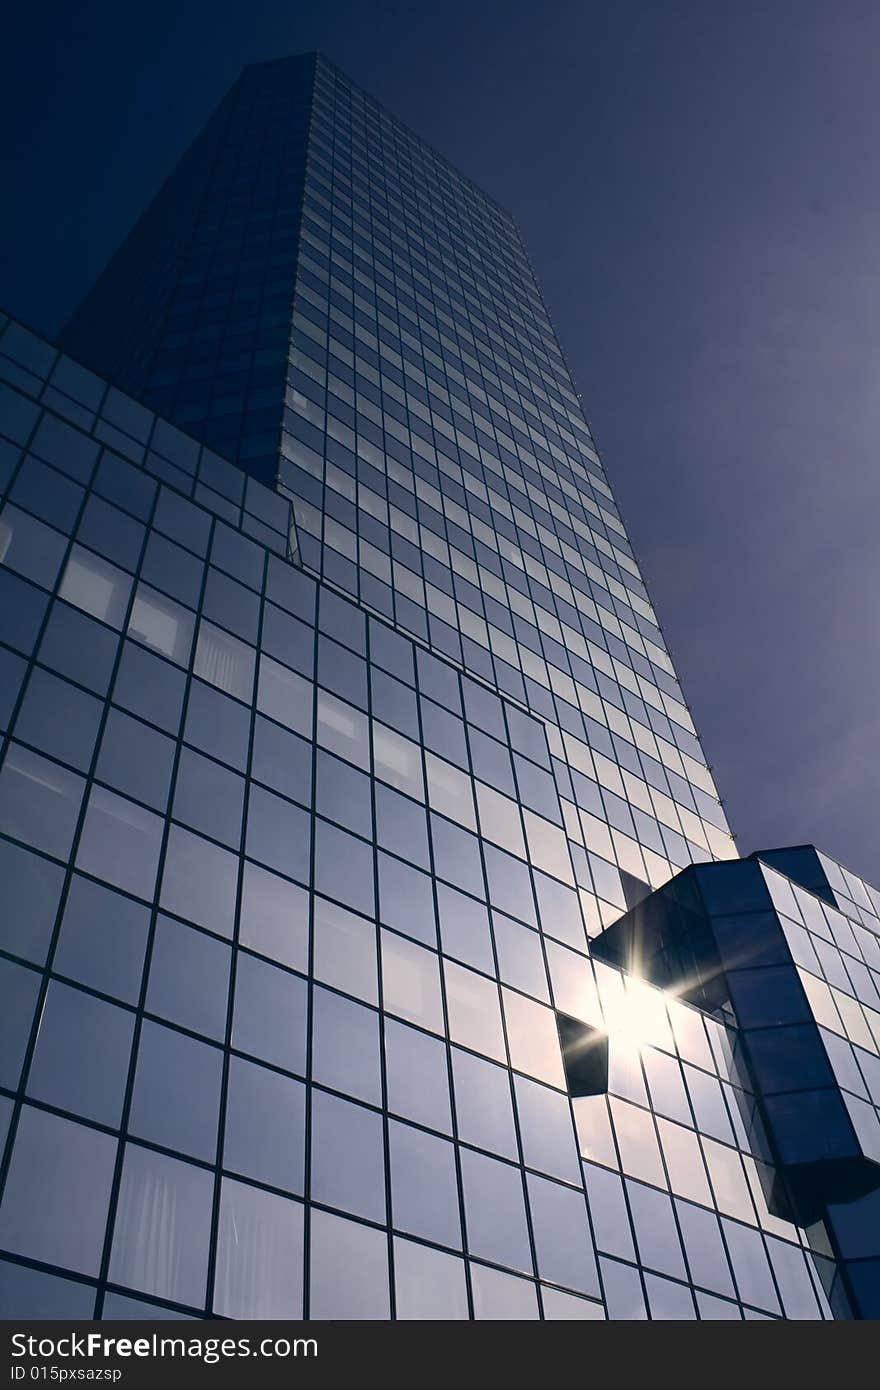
(697, 186)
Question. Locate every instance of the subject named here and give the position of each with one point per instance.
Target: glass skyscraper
(375, 945)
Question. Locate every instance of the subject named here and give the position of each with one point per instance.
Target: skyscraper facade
(356, 962)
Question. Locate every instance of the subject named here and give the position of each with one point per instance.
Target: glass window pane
(176, 1098)
(285, 696)
(81, 1058)
(474, 1011)
(31, 889)
(348, 1157)
(199, 881)
(656, 1234)
(704, 1248)
(120, 842)
(406, 900)
(278, 834)
(39, 801)
(464, 929)
(349, 1270)
(417, 1077)
(96, 586)
(57, 1167)
(162, 624)
(343, 729)
(270, 1014)
(136, 759)
(533, 1039)
(563, 1243)
(411, 982)
(209, 797)
(345, 951)
(29, 1293)
(483, 1106)
(163, 1221)
(29, 547)
(103, 939)
(546, 1130)
(520, 958)
(502, 1297)
(495, 1211)
(224, 661)
(274, 917)
(424, 1187)
(429, 1285)
(259, 1263)
(398, 761)
(265, 1125)
(345, 1046)
(181, 960)
(59, 719)
(623, 1292)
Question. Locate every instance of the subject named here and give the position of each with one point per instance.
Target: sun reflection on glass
(635, 1017)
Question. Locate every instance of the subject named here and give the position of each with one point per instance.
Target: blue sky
(696, 184)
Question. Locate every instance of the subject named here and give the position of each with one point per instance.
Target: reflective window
(563, 1245)
(224, 661)
(533, 1039)
(411, 982)
(495, 1211)
(30, 548)
(57, 1167)
(39, 801)
(189, 978)
(424, 1187)
(265, 1125)
(81, 1056)
(31, 889)
(348, 1159)
(136, 759)
(274, 917)
(163, 1221)
(345, 951)
(417, 1077)
(209, 798)
(464, 929)
(59, 719)
(258, 1271)
(103, 939)
(348, 1268)
(704, 1248)
(269, 1019)
(343, 794)
(429, 1285)
(345, 1046)
(474, 1011)
(176, 1098)
(284, 696)
(96, 586)
(623, 1291)
(406, 900)
(162, 624)
(546, 1130)
(502, 1297)
(656, 1233)
(483, 1105)
(120, 842)
(751, 1267)
(199, 881)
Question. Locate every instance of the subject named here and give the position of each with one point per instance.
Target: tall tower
(338, 310)
(374, 948)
